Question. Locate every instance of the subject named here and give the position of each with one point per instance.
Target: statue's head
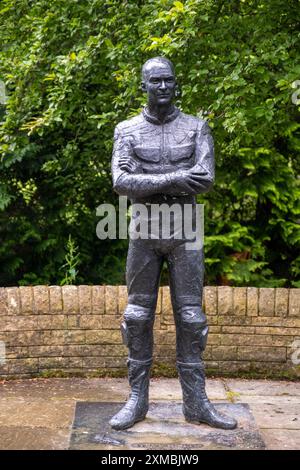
(158, 81)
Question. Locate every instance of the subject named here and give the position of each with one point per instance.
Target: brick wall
(75, 330)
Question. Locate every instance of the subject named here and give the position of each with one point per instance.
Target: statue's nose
(163, 85)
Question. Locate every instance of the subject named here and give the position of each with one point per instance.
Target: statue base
(163, 429)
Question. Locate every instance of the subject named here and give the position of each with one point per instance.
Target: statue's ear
(143, 86)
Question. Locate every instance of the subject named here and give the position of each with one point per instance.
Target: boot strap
(148, 362)
(191, 365)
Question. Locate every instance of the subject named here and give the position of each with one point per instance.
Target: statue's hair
(156, 60)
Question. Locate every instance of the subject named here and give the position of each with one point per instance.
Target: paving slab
(33, 438)
(264, 387)
(36, 412)
(281, 439)
(271, 400)
(164, 428)
(281, 416)
(170, 390)
(74, 388)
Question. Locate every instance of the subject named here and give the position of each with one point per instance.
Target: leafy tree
(72, 71)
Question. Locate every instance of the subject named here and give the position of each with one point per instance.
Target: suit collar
(154, 120)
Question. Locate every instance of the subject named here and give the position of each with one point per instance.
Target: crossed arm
(198, 179)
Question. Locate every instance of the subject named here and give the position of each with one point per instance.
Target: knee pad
(137, 331)
(135, 312)
(192, 332)
(192, 314)
(196, 333)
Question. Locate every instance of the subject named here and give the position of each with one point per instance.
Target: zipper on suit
(163, 145)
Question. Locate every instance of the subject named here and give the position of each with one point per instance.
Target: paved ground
(38, 413)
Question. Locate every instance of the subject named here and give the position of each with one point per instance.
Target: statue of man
(163, 156)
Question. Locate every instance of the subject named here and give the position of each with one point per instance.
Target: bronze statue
(163, 156)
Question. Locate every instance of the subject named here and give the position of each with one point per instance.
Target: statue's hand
(128, 164)
(188, 180)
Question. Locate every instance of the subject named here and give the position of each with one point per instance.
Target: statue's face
(159, 83)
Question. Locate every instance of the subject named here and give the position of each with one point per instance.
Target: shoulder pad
(130, 125)
(189, 122)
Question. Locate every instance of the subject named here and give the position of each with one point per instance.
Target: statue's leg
(142, 276)
(186, 270)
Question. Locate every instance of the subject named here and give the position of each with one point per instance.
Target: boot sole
(198, 421)
(121, 428)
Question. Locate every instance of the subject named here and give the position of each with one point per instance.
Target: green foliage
(72, 72)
